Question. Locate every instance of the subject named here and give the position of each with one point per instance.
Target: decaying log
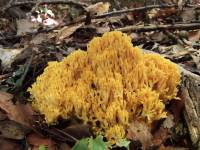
(190, 91)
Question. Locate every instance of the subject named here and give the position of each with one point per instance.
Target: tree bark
(190, 92)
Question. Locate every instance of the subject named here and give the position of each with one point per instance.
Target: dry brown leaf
(65, 32)
(160, 136)
(177, 107)
(194, 35)
(168, 1)
(102, 30)
(98, 8)
(64, 146)
(12, 130)
(78, 131)
(140, 131)
(196, 58)
(188, 15)
(37, 140)
(175, 148)
(2, 115)
(7, 144)
(169, 122)
(26, 26)
(163, 13)
(8, 56)
(20, 113)
(39, 38)
(158, 36)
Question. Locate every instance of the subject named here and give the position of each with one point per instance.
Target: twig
(174, 37)
(66, 134)
(119, 12)
(40, 2)
(140, 28)
(153, 27)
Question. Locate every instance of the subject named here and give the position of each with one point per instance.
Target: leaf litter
(59, 30)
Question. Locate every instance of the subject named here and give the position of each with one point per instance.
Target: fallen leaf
(7, 144)
(39, 38)
(169, 122)
(102, 30)
(177, 107)
(140, 131)
(194, 35)
(67, 31)
(7, 56)
(158, 36)
(188, 15)
(12, 130)
(25, 26)
(98, 8)
(78, 131)
(196, 58)
(20, 113)
(169, 1)
(37, 140)
(64, 146)
(160, 136)
(2, 116)
(161, 13)
(175, 148)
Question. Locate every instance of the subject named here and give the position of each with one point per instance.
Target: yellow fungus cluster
(108, 86)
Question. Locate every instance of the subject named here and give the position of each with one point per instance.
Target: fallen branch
(119, 12)
(153, 27)
(174, 37)
(148, 7)
(139, 28)
(190, 94)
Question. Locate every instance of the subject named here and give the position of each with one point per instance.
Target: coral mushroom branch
(109, 86)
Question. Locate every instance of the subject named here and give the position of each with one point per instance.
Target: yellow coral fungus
(109, 86)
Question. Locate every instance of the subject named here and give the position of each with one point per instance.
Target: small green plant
(98, 144)
(123, 143)
(90, 144)
(42, 147)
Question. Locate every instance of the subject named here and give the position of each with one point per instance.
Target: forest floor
(32, 33)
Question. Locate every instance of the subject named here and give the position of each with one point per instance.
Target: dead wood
(190, 92)
(153, 27)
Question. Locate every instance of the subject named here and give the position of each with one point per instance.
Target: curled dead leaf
(160, 136)
(65, 32)
(12, 130)
(8, 56)
(7, 144)
(169, 122)
(18, 112)
(78, 131)
(194, 35)
(25, 26)
(36, 140)
(140, 131)
(98, 8)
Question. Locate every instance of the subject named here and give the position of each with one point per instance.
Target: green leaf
(81, 145)
(123, 143)
(42, 147)
(97, 143)
(50, 13)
